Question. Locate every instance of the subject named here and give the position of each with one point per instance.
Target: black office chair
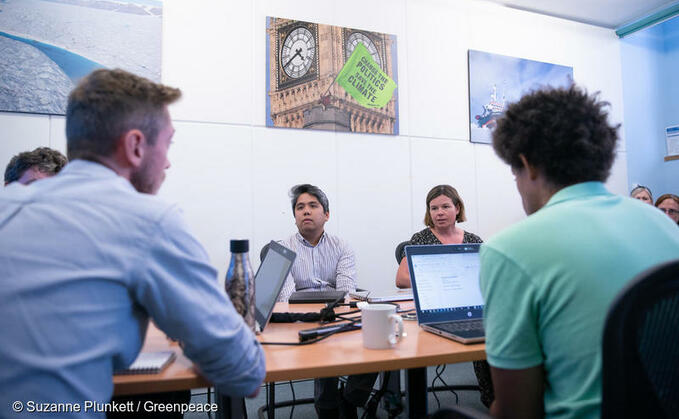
(263, 252)
(640, 370)
(399, 250)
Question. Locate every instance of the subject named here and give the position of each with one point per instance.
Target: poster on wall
(672, 142)
(498, 80)
(49, 45)
(330, 78)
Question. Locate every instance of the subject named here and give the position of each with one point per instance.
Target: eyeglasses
(669, 211)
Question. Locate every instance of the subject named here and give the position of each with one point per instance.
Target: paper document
(149, 363)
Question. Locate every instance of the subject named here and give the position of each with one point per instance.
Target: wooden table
(340, 354)
(344, 354)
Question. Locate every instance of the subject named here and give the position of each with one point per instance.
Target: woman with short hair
(444, 209)
(642, 193)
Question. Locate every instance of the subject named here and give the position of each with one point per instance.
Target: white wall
(231, 174)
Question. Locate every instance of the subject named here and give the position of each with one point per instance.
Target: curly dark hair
(43, 159)
(563, 132)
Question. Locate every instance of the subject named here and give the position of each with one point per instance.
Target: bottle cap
(240, 246)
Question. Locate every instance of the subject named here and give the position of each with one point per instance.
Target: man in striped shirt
(323, 262)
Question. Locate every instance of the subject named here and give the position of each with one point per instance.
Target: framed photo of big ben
(332, 78)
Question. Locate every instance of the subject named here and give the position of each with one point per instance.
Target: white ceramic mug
(381, 327)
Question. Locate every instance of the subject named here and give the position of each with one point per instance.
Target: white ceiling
(607, 13)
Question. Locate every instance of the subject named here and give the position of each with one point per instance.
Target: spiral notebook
(149, 363)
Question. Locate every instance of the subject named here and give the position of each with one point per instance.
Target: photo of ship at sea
(48, 45)
(495, 81)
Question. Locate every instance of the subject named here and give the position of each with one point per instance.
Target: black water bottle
(240, 282)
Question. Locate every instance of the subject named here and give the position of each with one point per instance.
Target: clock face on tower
(297, 52)
(357, 37)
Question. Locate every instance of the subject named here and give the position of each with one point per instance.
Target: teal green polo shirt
(548, 281)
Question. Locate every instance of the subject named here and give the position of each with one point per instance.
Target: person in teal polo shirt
(549, 280)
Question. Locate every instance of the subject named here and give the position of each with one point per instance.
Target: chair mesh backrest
(658, 347)
(640, 371)
(399, 250)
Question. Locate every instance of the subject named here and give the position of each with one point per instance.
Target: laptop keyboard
(461, 326)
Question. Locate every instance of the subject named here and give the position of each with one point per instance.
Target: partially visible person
(444, 208)
(323, 262)
(669, 204)
(549, 280)
(29, 166)
(88, 256)
(642, 193)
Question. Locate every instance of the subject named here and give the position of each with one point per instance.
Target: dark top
(481, 368)
(427, 237)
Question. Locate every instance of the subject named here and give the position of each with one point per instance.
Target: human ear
(532, 170)
(134, 146)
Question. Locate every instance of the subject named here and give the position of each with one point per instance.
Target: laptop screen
(269, 280)
(445, 281)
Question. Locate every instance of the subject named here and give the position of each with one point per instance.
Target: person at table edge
(87, 256)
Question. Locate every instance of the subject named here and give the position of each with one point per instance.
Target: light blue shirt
(549, 280)
(85, 260)
(329, 265)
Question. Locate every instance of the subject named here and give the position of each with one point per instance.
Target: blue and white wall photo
(48, 45)
(496, 80)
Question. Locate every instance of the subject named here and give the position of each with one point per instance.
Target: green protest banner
(364, 80)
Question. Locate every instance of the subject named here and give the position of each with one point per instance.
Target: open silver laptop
(269, 281)
(445, 280)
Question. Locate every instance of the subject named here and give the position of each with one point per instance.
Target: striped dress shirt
(329, 265)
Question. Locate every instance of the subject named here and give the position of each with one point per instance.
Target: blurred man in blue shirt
(87, 256)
